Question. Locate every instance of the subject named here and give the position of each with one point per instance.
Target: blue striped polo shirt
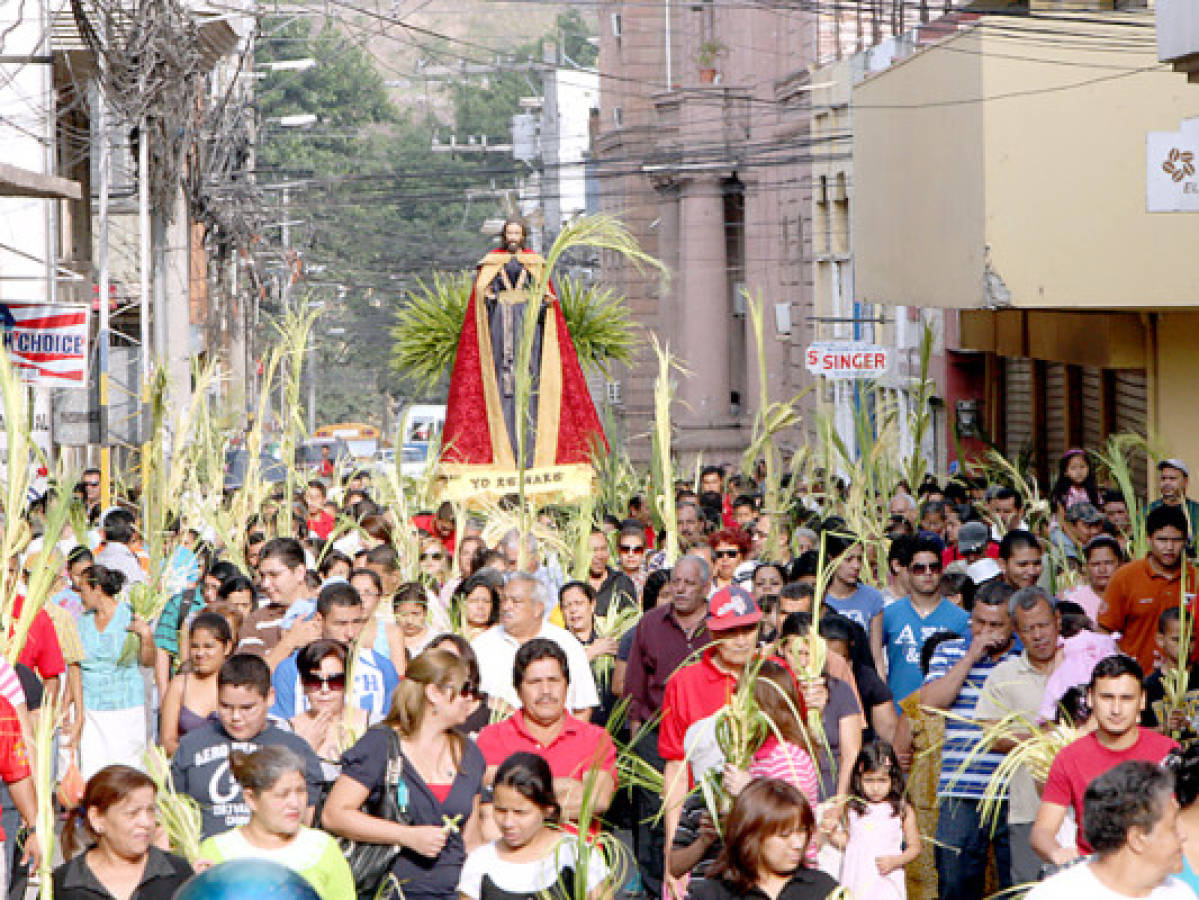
(961, 739)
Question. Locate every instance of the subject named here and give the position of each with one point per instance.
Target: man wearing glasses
(912, 620)
(91, 493)
(630, 550)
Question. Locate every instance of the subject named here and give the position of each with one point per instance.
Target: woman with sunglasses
(434, 564)
(730, 547)
(328, 724)
(438, 792)
(116, 641)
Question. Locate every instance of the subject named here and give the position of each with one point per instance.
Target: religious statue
(482, 415)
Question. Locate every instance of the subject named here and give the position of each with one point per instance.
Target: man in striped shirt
(955, 679)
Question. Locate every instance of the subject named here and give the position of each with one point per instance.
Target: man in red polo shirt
(698, 690)
(572, 747)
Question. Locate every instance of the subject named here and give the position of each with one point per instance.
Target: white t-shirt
(1079, 881)
(527, 877)
(496, 652)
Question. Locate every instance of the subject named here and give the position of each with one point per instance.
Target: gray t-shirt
(841, 703)
(200, 769)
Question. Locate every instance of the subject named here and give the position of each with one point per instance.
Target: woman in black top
(766, 837)
(438, 791)
(117, 813)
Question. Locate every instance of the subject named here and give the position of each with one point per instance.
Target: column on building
(703, 303)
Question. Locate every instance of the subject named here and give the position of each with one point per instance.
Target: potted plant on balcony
(709, 52)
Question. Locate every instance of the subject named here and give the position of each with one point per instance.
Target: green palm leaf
(429, 323)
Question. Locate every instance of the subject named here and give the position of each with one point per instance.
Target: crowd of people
(425, 707)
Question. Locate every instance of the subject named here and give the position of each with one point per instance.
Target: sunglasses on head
(925, 568)
(727, 554)
(314, 680)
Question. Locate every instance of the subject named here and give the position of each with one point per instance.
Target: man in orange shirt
(1141, 590)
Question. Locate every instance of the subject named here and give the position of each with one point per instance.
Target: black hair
(654, 583)
(1112, 495)
(384, 556)
(110, 581)
(1116, 666)
(995, 592)
(804, 565)
(221, 569)
(797, 624)
(333, 558)
(1169, 614)
(309, 659)
(1104, 540)
(212, 622)
(287, 550)
(1006, 493)
(80, 554)
(369, 574)
(901, 550)
(410, 592)
(1128, 796)
(798, 590)
(233, 584)
(583, 586)
(1166, 517)
(835, 627)
(245, 670)
(338, 593)
(876, 756)
(930, 646)
(534, 650)
(711, 470)
(1185, 765)
(745, 500)
(118, 526)
(924, 545)
(1074, 618)
(1072, 707)
(1017, 539)
(529, 775)
(957, 583)
(1061, 487)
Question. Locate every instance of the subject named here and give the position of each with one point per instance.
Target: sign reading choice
(846, 359)
(47, 343)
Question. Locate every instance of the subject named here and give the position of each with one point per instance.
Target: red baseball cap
(732, 607)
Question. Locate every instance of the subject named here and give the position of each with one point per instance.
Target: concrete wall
(1019, 177)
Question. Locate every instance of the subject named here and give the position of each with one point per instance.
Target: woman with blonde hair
(436, 775)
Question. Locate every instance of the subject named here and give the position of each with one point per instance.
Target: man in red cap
(698, 690)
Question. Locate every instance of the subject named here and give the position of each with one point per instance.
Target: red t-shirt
(694, 692)
(578, 747)
(41, 651)
(1086, 759)
(14, 759)
(425, 523)
(322, 524)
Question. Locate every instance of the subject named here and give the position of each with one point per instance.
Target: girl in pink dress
(878, 831)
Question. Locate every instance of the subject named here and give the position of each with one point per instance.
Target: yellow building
(1003, 172)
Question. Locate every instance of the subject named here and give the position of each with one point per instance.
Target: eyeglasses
(314, 681)
(425, 556)
(625, 548)
(469, 691)
(727, 554)
(924, 568)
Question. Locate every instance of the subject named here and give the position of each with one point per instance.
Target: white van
(419, 437)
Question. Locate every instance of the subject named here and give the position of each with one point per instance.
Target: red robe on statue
(475, 430)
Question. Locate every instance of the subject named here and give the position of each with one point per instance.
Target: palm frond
(427, 326)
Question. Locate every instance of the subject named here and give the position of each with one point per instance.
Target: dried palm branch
(45, 730)
(179, 813)
(662, 465)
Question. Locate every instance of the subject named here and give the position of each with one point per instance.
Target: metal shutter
(1057, 417)
(1093, 431)
(1017, 405)
(1131, 413)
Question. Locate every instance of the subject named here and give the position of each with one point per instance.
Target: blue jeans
(961, 850)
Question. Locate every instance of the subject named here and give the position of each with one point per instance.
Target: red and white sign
(846, 359)
(46, 342)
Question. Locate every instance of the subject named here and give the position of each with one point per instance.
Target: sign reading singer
(846, 359)
(47, 343)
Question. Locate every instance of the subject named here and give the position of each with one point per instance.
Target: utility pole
(102, 265)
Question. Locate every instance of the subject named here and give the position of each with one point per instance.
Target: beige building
(1003, 173)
